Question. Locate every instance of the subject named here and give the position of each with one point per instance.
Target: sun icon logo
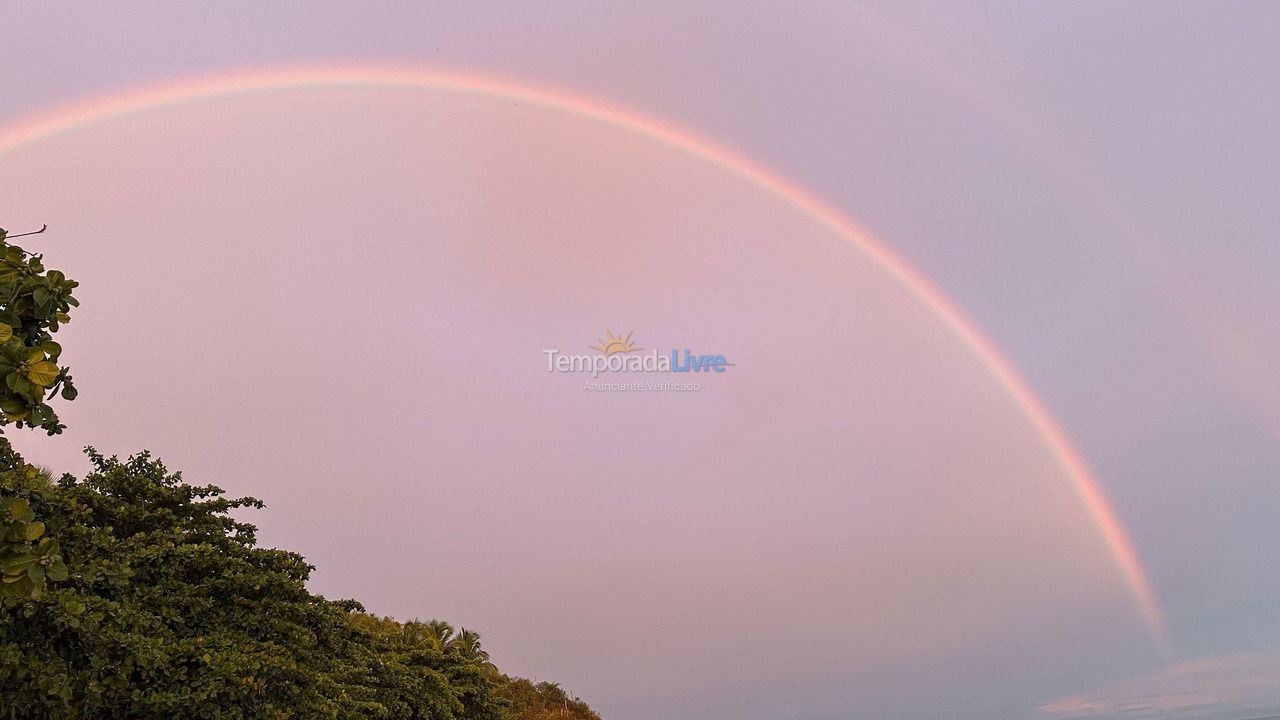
(614, 345)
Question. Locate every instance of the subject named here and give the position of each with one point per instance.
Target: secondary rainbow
(212, 87)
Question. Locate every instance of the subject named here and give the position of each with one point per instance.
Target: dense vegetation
(131, 594)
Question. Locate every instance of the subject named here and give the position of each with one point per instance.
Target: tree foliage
(169, 609)
(34, 303)
(131, 595)
(28, 557)
(524, 700)
(542, 701)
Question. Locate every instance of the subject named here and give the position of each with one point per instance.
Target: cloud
(1218, 688)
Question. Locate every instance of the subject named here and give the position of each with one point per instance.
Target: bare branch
(33, 232)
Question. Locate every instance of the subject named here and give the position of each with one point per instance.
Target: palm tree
(467, 644)
(439, 634)
(417, 635)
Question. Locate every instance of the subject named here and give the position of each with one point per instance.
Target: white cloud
(1230, 686)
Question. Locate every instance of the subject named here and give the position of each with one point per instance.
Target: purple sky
(346, 295)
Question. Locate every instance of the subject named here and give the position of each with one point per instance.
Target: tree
(28, 558)
(542, 701)
(467, 644)
(440, 632)
(131, 595)
(34, 303)
(169, 609)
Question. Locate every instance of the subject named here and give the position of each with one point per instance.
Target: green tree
(28, 557)
(467, 644)
(34, 303)
(131, 595)
(169, 609)
(541, 701)
(440, 632)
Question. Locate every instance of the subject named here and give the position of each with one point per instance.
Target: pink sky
(345, 297)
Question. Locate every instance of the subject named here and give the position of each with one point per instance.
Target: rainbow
(213, 87)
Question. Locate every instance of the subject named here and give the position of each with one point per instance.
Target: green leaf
(57, 571)
(43, 373)
(20, 587)
(14, 562)
(6, 332)
(34, 530)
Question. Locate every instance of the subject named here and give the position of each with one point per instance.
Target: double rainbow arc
(208, 88)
